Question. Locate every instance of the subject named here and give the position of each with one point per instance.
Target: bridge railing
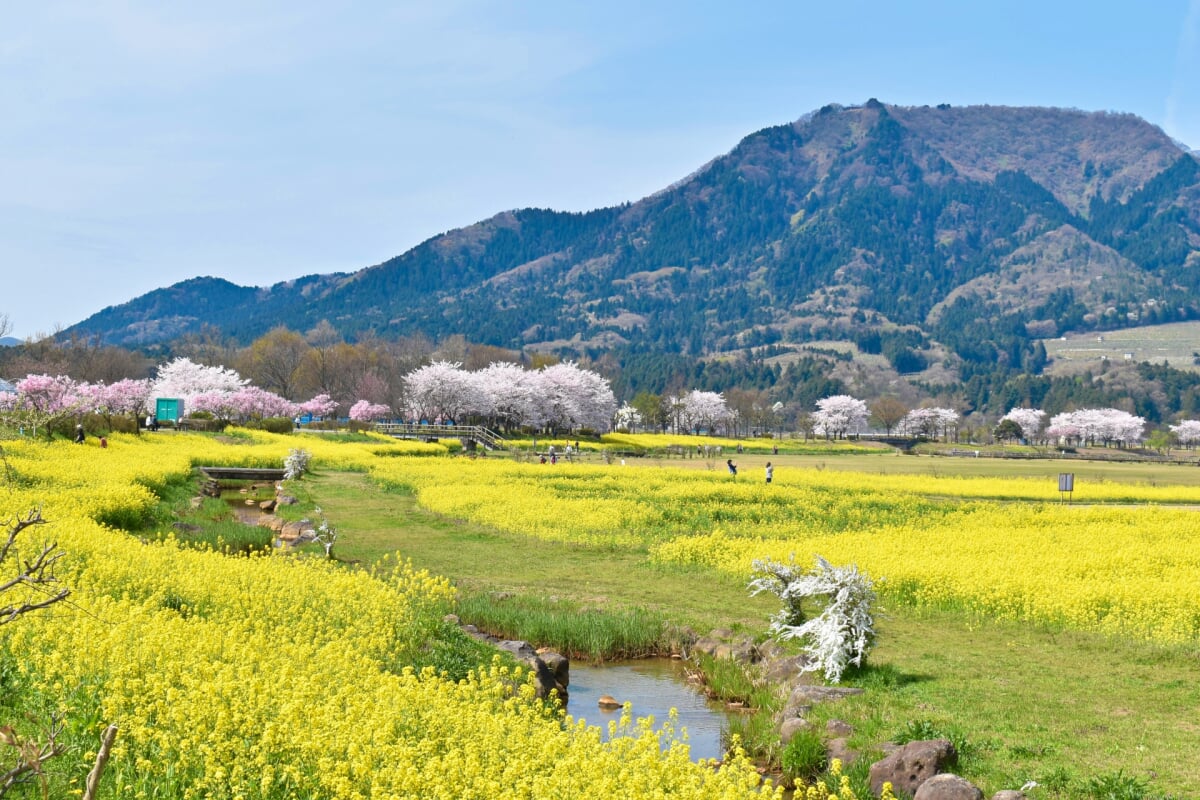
(409, 430)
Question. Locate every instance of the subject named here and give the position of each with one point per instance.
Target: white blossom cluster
(842, 633)
(296, 464)
(1030, 421)
(561, 396)
(932, 423)
(699, 411)
(1096, 425)
(839, 416)
(1187, 432)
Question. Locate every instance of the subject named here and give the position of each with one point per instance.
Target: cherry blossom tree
(320, 406)
(572, 397)
(366, 411)
(443, 391)
(1091, 425)
(839, 416)
(1187, 432)
(1030, 421)
(512, 393)
(184, 379)
(705, 410)
(627, 418)
(931, 423)
(40, 402)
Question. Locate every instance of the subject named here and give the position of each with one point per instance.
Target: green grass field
(1173, 343)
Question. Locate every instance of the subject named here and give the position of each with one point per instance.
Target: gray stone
(791, 727)
(1008, 794)
(948, 787)
(837, 727)
(839, 748)
(912, 765)
(811, 695)
(785, 669)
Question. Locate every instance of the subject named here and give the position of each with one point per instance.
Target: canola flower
(1121, 570)
(277, 677)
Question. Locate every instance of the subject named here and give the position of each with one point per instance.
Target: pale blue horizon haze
(145, 143)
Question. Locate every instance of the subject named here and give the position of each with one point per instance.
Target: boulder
(791, 727)
(837, 727)
(784, 669)
(608, 702)
(839, 748)
(911, 765)
(526, 654)
(948, 787)
(1008, 794)
(267, 505)
(559, 666)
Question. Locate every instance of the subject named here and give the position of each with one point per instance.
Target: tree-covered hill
(963, 234)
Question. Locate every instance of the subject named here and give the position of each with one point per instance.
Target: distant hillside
(923, 234)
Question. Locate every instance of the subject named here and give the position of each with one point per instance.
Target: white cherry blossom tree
(839, 416)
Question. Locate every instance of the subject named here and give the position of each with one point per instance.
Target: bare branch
(35, 575)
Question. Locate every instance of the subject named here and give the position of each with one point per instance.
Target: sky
(145, 143)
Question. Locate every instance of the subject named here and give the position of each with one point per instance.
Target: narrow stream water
(653, 686)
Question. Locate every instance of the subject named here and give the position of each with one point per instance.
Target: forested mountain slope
(977, 228)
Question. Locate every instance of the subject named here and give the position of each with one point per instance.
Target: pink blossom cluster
(366, 411)
(249, 402)
(1096, 425)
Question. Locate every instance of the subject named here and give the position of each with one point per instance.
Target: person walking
(732, 467)
(78, 434)
(770, 472)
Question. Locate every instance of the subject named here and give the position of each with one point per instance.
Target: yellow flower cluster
(273, 677)
(1113, 568)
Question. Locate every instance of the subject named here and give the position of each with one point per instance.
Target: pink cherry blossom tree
(366, 411)
(320, 406)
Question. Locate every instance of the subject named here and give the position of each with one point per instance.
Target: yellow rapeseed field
(998, 547)
(278, 677)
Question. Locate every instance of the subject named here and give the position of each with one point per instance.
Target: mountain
(922, 233)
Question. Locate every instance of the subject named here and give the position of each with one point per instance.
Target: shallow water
(653, 686)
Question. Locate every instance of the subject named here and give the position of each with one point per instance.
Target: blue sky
(145, 143)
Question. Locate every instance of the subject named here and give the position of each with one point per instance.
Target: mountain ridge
(850, 218)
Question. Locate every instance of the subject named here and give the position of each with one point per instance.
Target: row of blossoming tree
(1087, 426)
(562, 396)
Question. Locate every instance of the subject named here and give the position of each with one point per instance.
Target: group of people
(733, 470)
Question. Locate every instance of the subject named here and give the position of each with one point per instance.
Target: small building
(168, 409)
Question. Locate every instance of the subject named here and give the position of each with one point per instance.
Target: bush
(804, 756)
(273, 424)
(842, 633)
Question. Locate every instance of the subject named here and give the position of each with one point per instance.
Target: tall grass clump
(571, 629)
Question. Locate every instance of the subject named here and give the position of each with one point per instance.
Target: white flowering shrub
(842, 633)
(296, 464)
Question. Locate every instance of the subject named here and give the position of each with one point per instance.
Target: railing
(408, 430)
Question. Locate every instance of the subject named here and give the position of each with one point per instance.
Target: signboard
(1066, 485)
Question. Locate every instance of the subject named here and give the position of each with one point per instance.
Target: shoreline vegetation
(1073, 669)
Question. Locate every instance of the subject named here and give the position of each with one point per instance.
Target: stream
(653, 686)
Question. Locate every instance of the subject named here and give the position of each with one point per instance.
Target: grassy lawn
(1029, 702)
